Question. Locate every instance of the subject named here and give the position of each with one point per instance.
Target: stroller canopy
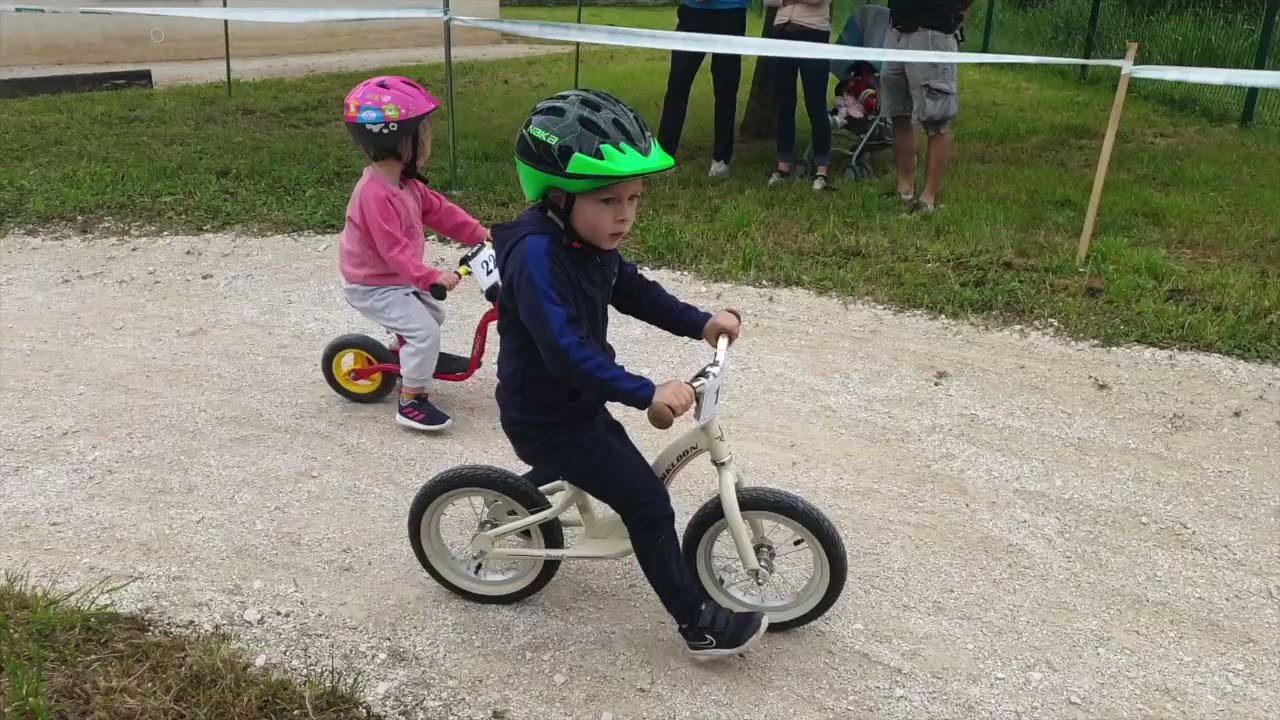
(866, 27)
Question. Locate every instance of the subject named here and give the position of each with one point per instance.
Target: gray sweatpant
(409, 312)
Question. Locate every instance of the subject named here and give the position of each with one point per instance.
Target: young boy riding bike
(582, 156)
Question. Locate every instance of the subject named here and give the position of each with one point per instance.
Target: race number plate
(485, 267)
(710, 406)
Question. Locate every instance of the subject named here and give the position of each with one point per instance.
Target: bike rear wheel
(351, 352)
(488, 497)
(793, 528)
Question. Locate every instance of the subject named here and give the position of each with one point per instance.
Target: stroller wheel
(860, 169)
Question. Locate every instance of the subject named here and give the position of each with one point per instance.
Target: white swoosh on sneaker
(706, 644)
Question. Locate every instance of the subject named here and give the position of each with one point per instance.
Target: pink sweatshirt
(382, 242)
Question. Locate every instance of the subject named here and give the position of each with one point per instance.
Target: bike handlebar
(661, 416)
(438, 291)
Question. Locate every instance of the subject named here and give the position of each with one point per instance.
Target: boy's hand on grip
(676, 395)
(725, 322)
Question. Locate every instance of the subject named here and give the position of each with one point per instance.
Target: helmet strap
(560, 213)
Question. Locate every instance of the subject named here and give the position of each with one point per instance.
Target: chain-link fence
(1208, 33)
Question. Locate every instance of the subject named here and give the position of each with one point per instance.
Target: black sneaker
(420, 414)
(718, 632)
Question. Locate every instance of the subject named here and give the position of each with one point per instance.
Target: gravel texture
(1036, 528)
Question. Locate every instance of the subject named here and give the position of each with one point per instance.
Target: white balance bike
(740, 545)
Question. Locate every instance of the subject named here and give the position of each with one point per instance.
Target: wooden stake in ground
(1117, 107)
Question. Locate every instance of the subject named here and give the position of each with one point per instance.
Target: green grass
(1207, 33)
(69, 655)
(1188, 246)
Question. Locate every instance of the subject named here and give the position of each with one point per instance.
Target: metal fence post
(451, 114)
(1091, 37)
(1260, 62)
(226, 48)
(577, 53)
(991, 26)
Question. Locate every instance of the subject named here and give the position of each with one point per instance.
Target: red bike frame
(477, 353)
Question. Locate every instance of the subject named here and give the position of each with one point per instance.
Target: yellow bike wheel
(351, 352)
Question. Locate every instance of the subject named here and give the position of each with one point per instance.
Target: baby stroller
(858, 128)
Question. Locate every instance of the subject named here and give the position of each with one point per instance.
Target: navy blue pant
(726, 76)
(813, 78)
(598, 457)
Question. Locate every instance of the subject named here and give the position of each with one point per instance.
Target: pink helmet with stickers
(385, 110)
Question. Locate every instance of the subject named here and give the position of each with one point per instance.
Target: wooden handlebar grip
(661, 416)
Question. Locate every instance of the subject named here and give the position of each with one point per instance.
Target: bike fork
(742, 531)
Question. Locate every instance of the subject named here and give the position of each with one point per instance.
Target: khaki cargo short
(925, 91)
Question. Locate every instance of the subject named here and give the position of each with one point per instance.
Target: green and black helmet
(581, 140)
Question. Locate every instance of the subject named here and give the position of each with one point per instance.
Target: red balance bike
(364, 370)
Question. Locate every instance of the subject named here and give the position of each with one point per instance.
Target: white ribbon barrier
(698, 42)
(671, 40)
(270, 15)
(729, 44)
(1209, 76)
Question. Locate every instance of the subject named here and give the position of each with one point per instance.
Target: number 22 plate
(485, 267)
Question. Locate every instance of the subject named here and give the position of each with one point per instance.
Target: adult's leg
(684, 68)
(784, 93)
(896, 103)
(726, 77)
(936, 104)
(813, 78)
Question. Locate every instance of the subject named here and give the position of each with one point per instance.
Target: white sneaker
(719, 168)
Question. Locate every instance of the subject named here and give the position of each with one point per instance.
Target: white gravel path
(1036, 528)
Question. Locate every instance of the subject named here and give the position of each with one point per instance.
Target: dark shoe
(420, 414)
(718, 633)
(907, 200)
(919, 207)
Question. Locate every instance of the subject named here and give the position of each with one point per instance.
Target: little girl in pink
(381, 249)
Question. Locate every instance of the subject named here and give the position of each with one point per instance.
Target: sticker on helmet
(371, 115)
(543, 135)
(391, 111)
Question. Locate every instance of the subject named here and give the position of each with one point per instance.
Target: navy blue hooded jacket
(555, 364)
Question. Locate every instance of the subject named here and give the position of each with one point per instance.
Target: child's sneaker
(778, 177)
(719, 633)
(719, 169)
(821, 183)
(418, 413)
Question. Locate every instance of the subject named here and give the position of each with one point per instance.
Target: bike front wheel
(798, 546)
